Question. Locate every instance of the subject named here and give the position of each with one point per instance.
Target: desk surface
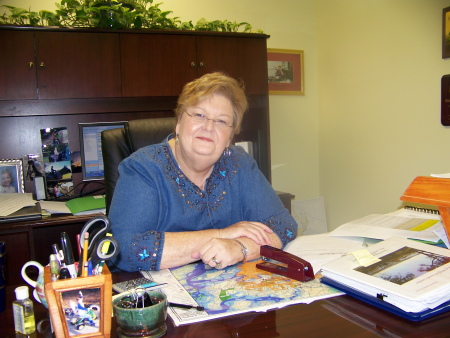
(340, 316)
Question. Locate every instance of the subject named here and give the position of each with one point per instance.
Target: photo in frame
(80, 306)
(285, 71)
(56, 158)
(446, 33)
(11, 174)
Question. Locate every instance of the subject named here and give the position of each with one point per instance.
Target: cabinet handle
(30, 65)
(42, 65)
(193, 64)
(202, 64)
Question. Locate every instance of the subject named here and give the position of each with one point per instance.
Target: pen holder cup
(143, 320)
(80, 306)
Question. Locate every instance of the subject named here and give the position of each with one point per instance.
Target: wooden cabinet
(156, 64)
(17, 65)
(50, 65)
(160, 64)
(240, 57)
(60, 77)
(77, 65)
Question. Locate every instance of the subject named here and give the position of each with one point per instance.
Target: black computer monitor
(91, 148)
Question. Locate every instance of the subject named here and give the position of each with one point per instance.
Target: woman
(7, 179)
(195, 196)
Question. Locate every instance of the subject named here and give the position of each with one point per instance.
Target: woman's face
(6, 180)
(206, 138)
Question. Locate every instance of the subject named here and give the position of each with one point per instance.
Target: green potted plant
(114, 14)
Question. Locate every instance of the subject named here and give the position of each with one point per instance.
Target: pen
(68, 254)
(84, 271)
(185, 306)
(55, 249)
(78, 245)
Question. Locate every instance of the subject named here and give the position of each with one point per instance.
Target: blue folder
(412, 316)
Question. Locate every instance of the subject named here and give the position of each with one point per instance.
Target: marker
(99, 269)
(184, 306)
(68, 255)
(64, 273)
(54, 267)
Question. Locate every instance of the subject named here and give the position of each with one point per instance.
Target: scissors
(102, 245)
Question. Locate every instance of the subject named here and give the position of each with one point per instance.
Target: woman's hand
(256, 231)
(220, 253)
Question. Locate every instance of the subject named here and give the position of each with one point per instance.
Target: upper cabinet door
(156, 64)
(243, 58)
(77, 65)
(17, 65)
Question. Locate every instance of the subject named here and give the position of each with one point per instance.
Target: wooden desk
(32, 240)
(335, 317)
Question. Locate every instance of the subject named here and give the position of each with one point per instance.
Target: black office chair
(118, 144)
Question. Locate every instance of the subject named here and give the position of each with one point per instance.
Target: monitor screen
(91, 148)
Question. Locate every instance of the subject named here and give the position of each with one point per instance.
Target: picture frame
(80, 306)
(285, 68)
(13, 168)
(446, 33)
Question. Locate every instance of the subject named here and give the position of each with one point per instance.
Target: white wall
(379, 75)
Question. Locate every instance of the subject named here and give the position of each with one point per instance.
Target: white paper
(385, 226)
(13, 202)
(414, 282)
(441, 175)
(54, 207)
(320, 249)
(443, 236)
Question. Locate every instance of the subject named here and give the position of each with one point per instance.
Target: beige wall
(379, 77)
(370, 120)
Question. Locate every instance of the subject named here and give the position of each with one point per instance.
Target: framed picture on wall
(446, 33)
(285, 72)
(11, 174)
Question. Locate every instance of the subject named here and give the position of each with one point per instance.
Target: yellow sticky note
(364, 257)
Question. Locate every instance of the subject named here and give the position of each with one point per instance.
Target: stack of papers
(385, 226)
(15, 207)
(407, 274)
(320, 249)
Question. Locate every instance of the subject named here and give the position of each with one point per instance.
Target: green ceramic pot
(148, 321)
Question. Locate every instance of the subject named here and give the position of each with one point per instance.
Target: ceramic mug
(38, 284)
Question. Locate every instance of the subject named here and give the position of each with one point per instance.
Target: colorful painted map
(236, 289)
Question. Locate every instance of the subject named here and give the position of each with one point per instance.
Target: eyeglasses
(201, 118)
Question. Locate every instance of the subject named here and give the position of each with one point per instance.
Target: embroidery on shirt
(216, 185)
(282, 227)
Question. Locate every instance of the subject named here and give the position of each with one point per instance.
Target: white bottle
(23, 312)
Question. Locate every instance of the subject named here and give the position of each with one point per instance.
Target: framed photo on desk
(11, 174)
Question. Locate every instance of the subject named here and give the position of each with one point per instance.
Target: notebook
(25, 214)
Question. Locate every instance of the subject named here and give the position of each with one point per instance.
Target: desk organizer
(80, 306)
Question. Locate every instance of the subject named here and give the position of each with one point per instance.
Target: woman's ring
(218, 264)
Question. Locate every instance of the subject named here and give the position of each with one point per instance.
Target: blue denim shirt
(152, 196)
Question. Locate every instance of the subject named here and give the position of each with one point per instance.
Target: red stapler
(296, 268)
